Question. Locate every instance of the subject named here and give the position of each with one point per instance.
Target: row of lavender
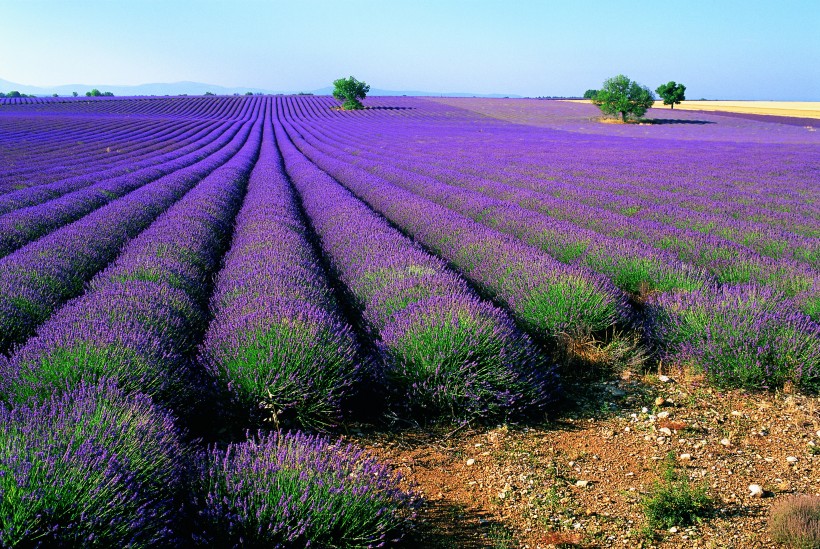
(742, 334)
(91, 448)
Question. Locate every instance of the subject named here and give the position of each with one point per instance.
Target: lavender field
(198, 294)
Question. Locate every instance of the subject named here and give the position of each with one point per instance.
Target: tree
(671, 93)
(14, 94)
(590, 94)
(351, 92)
(93, 93)
(209, 93)
(74, 94)
(620, 95)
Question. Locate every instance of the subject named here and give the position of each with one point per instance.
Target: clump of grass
(795, 522)
(674, 501)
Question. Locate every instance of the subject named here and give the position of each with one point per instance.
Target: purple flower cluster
(143, 314)
(277, 341)
(26, 224)
(41, 276)
(154, 156)
(294, 490)
(422, 313)
(741, 336)
(89, 468)
(546, 296)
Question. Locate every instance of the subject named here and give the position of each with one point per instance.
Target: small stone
(737, 414)
(666, 431)
(581, 483)
(662, 415)
(791, 459)
(660, 401)
(726, 442)
(673, 530)
(645, 410)
(755, 490)
(470, 461)
(685, 457)
(664, 379)
(817, 433)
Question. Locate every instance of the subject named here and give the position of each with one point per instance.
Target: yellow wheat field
(801, 109)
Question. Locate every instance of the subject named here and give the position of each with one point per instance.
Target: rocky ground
(578, 479)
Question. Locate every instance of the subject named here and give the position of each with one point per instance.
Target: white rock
(673, 530)
(685, 457)
(666, 431)
(726, 442)
(581, 483)
(664, 379)
(645, 410)
(755, 490)
(662, 415)
(470, 461)
(791, 459)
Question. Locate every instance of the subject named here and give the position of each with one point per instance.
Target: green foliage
(590, 94)
(93, 93)
(248, 93)
(74, 94)
(674, 501)
(620, 95)
(209, 93)
(350, 91)
(671, 93)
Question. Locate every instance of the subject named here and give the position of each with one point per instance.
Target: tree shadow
(666, 121)
(447, 525)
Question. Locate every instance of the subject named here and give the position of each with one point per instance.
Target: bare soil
(578, 479)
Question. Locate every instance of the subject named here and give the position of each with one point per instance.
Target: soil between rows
(513, 486)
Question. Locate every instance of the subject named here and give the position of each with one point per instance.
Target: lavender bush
(90, 468)
(278, 344)
(403, 291)
(295, 490)
(743, 336)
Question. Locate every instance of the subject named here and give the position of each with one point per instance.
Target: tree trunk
(623, 116)
(672, 106)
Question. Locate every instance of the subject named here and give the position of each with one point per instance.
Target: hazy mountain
(198, 88)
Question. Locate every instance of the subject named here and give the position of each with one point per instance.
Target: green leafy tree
(590, 94)
(14, 94)
(74, 94)
(620, 95)
(93, 93)
(350, 91)
(671, 93)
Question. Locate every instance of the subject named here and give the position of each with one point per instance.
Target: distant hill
(198, 88)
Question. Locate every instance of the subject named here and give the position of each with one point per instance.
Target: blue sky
(720, 49)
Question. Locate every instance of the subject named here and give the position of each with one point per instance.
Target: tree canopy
(620, 95)
(671, 93)
(350, 91)
(590, 94)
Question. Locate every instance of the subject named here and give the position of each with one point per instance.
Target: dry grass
(795, 522)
